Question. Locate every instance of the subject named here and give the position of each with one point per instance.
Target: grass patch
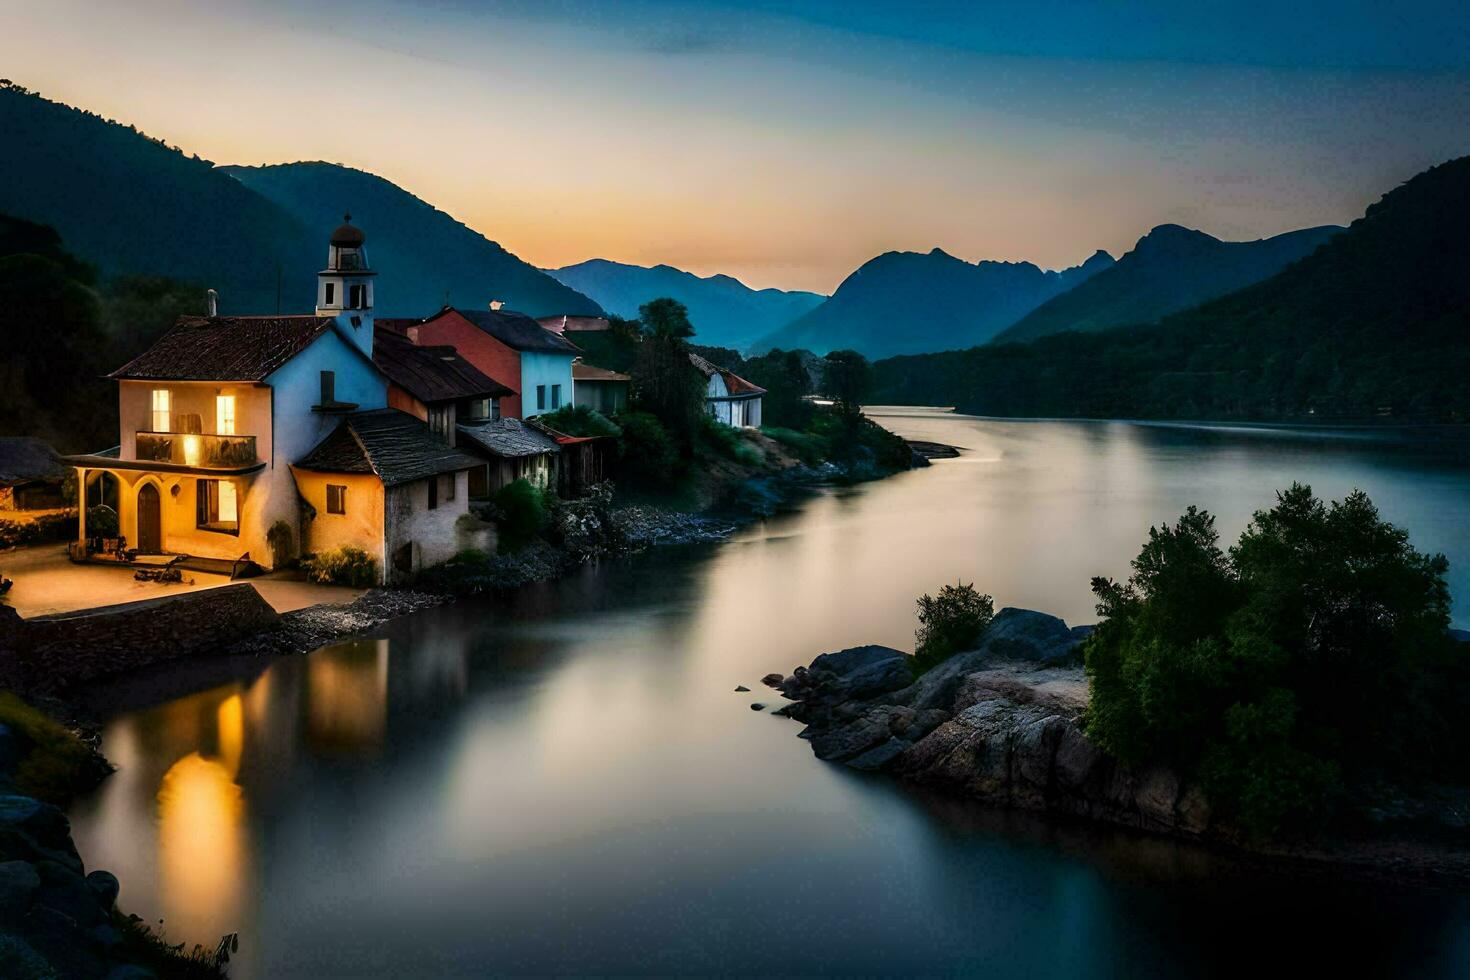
(144, 947)
(55, 764)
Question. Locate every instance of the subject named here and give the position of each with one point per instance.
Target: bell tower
(344, 289)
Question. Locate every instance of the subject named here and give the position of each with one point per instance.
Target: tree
(784, 376)
(950, 622)
(665, 383)
(847, 378)
(665, 317)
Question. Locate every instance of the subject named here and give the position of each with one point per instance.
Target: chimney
(211, 300)
(496, 304)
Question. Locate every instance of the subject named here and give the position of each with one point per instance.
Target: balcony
(196, 450)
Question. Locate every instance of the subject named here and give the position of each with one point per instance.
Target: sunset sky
(786, 143)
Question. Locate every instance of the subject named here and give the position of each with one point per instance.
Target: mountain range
(911, 302)
(725, 312)
(1170, 269)
(132, 205)
(1374, 322)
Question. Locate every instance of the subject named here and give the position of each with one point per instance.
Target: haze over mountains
(911, 302)
(132, 205)
(1170, 269)
(725, 312)
(1375, 322)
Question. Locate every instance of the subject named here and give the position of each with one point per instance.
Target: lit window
(336, 499)
(217, 506)
(162, 406)
(224, 414)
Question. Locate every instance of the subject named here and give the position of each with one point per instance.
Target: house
(217, 413)
(510, 347)
(435, 384)
(728, 397)
(31, 476)
(383, 481)
(599, 389)
(510, 450)
(574, 324)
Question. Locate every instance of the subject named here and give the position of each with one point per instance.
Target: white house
(215, 413)
(728, 397)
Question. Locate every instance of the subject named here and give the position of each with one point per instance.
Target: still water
(566, 782)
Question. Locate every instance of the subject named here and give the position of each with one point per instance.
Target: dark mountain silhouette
(725, 312)
(131, 205)
(1374, 323)
(912, 302)
(1170, 269)
(426, 258)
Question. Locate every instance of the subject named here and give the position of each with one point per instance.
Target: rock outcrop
(999, 723)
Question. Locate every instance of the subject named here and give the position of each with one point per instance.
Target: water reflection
(567, 782)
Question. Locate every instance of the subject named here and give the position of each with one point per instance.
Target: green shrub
(647, 456)
(950, 622)
(342, 566)
(521, 507)
(803, 445)
(55, 764)
(101, 522)
(1312, 655)
(579, 420)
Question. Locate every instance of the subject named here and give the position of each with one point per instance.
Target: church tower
(344, 288)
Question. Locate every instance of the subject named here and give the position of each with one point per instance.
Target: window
(483, 408)
(357, 297)
(224, 414)
(336, 499)
(555, 397)
(162, 406)
(540, 398)
(329, 387)
(433, 492)
(330, 296)
(217, 506)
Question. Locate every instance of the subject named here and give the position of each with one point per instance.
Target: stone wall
(50, 654)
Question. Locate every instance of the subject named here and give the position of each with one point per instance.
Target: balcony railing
(196, 449)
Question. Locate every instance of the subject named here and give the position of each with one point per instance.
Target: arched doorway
(150, 520)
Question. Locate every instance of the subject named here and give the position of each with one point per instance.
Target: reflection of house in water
(347, 696)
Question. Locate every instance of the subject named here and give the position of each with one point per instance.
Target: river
(566, 781)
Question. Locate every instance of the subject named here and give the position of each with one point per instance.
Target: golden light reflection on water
(347, 696)
(201, 831)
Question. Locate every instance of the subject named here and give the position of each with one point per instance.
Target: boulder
(105, 886)
(18, 882)
(1023, 634)
(879, 756)
(855, 673)
(773, 680)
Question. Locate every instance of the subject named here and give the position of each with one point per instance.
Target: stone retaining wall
(51, 654)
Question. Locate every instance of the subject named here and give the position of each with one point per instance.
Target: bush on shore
(520, 508)
(950, 622)
(1310, 657)
(52, 763)
(342, 566)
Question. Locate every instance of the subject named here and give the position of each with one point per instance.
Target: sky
(786, 143)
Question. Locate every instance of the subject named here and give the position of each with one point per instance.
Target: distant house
(383, 482)
(574, 324)
(435, 384)
(510, 449)
(599, 389)
(31, 475)
(510, 347)
(729, 398)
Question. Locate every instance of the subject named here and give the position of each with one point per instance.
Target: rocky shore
(1002, 724)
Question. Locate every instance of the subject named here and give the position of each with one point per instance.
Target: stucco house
(435, 384)
(728, 397)
(511, 348)
(214, 415)
(384, 482)
(509, 449)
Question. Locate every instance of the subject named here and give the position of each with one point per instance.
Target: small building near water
(435, 384)
(509, 450)
(31, 476)
(600, 389)
(729, 398)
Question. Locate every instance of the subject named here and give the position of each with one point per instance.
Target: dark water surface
(567, 782)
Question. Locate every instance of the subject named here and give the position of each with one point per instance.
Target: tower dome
(347, 236)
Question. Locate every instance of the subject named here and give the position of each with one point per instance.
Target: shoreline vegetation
(1297, 696)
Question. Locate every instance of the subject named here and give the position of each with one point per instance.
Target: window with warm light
(217, 506)
(224, 415)
(162, 410)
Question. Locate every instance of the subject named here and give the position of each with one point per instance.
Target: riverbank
(1002, 724)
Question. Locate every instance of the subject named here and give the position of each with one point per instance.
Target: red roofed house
(729, 398)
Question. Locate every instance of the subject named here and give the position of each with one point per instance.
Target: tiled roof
(508, 438)
(396, 446)
(225, 348)
(431, 374)
(589, 372)
(734, 383)
(516, 331)
(25, 458)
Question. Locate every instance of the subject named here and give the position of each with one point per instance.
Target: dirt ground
(47, 583)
